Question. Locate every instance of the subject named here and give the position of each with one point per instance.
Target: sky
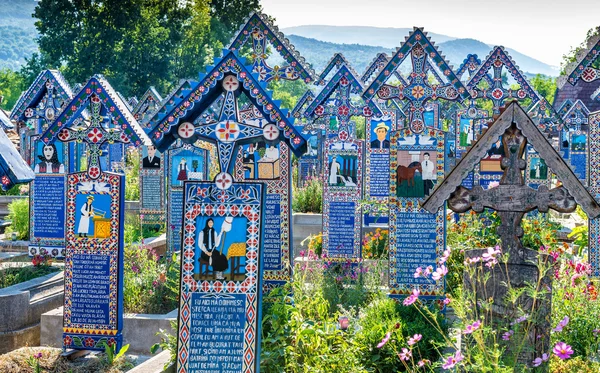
(542, 29)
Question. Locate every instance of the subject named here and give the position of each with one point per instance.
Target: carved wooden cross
(512, 198)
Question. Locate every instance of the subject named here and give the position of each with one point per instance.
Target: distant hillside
(388, 37)
(378, 39)
(17, 32)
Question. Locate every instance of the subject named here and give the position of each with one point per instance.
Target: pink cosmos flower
(423, 362)
(414, 339)
(562, 350)
(439, 273)
(418, 272)
(506, 336)
(520, 319)
(561, 324)
(405, 354)
(427, 271)
(412, 298)
(446, 301)
(472, 327)
(385, 340)
(38, 355)
(451, 361)
(445, 256)
(539, 360)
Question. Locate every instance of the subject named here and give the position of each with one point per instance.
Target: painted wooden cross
(512, 198)
(229, 131)
(94, 135)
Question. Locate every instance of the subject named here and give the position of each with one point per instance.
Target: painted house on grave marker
(223, 217)
(417, 162)
(35, 110)
(342, 157)
(95, 215)
(152, 165)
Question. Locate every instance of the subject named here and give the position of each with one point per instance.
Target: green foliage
(168, 342)
(575, 296)
(577, 364)
(288, 91)
(111, 356)
(308, 198)
(545, 86)
(151, 284)
(135, 43)
(11, 85)
(572, 55)
(132, 175)
(19, 218)
(15, 275)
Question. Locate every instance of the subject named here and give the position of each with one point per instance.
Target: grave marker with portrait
(152, 186)
(417, 237)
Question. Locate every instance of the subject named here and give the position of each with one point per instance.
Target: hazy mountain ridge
(17, 32)
(377, 40)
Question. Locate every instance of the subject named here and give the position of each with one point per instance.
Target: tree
(11, 85)
(227, 17)
(572, 55)
(545, 86)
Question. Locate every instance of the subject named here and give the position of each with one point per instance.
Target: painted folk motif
(92, 312)
(222, 231)
(594, 188)
(271, 164)
(34, 112)
(417, 237)
(377, 164)
(341, 193)
(185, 162)
(152, 186)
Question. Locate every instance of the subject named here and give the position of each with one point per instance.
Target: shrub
(132, 175)
(309, 198)
(19, 218)
(376, 245)
(577, 364)
(151, 285)
(15, 275)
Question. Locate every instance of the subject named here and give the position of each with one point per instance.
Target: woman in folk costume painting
(183, 171)
(49, 163)
(87, 212)
(208, 242)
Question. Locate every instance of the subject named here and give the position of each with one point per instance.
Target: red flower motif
(67, 341)
(89, 342)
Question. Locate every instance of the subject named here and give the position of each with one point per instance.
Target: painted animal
(408, 173)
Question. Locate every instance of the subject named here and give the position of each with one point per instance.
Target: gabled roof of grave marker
(470, 64)
(417, 35)
(513, 113)
(546, 117)
(582, 68)
(5, 121)
(582, 90)
(125, 102)
(344, 76)
(13, 169)
(151, 95)
(193, 98)
(566, 106)
(305, 100)
(259, 27)
(112, 103)
(337, 61)
(133, 101)
(498, 58)
(378, 63)
(577, 110)
(36, 91)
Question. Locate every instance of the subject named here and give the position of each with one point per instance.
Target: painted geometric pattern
(261, 30)
(343, 194)
(37, 244)
(497, 60)
(280, 187)
(152, 216)
(594, 187)
(412, 205)
(173, 111)
(240, 200)
(94, 333)
(146, 106)
(583, 69)
(423, 54)
(97, 88)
